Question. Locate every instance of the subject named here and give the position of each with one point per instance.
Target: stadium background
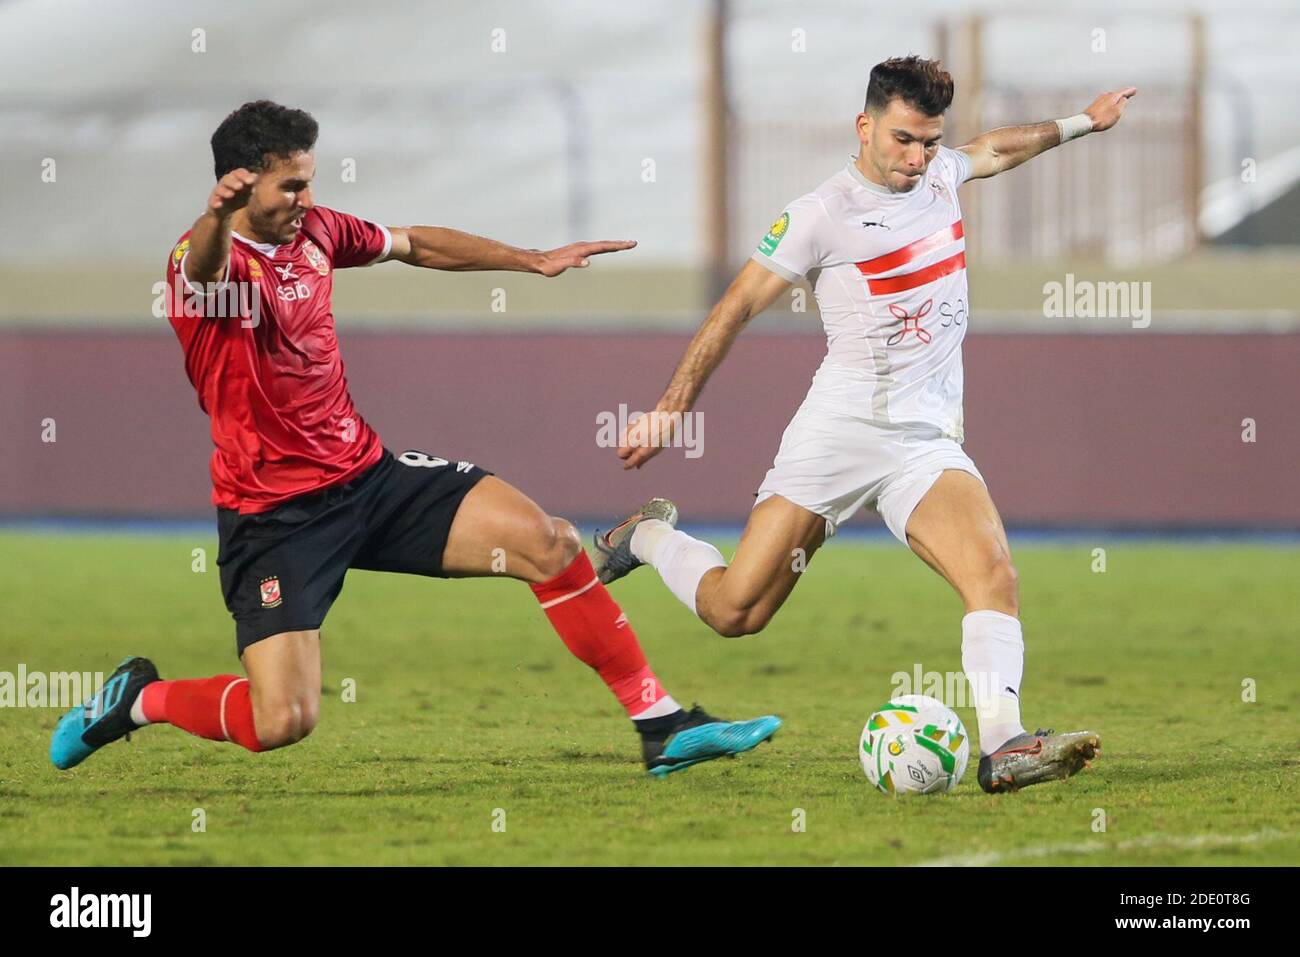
(686, 126)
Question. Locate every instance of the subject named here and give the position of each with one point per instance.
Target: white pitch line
(1101, 845)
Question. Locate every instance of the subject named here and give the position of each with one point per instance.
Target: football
(914, 744)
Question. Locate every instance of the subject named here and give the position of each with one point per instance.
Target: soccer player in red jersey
(304, 489)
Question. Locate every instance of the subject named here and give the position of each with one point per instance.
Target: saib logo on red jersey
(291, 288)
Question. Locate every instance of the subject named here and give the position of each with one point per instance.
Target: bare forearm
(210, 236)
(710, 345)
(1000, 150)
(753, 290)
(1006, 148)
(209, 249)
(436, 247)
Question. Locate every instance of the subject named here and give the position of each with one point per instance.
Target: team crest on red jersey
(316, 257)
(271, 592)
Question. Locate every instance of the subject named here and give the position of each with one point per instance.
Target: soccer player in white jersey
(882, 244)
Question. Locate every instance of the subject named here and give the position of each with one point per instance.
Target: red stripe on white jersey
(922, 247)
(883, 287)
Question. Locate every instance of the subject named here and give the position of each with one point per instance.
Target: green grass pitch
(469, 712)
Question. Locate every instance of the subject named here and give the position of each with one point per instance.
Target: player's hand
(231, 192)
(644, 438)
(552, 262)
(1109, 107)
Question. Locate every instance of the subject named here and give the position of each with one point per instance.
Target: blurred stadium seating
(593, 121)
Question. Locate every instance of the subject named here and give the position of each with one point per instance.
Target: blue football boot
(105, 716)
(679, 740)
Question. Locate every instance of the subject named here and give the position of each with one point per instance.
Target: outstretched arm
(436, 247)
(753, 290)
(1002, 149)
(210, 236)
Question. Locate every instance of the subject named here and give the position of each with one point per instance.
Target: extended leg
(500, 531)
(956, 530)
(276, 705)
(737, 599)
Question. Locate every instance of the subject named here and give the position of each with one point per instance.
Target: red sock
(595, 629)
(219, 708)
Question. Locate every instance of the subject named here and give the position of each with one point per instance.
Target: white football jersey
(889, 274)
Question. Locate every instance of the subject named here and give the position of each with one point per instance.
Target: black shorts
(281, 570)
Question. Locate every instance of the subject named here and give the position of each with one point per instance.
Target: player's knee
(1002, 585)
(737, 622)
(285, 722)
(560, 545)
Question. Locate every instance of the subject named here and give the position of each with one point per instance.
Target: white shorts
(833, 464)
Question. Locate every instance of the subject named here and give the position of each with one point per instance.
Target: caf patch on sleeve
(774, 235)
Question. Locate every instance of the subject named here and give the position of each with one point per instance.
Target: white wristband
(1075, 126)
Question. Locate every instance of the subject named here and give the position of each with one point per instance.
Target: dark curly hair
(922, 84)
(258, 130)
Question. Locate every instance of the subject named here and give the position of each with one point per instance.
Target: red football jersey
(260, 350)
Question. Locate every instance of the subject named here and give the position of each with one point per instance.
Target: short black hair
(922, 84)
(258, 130)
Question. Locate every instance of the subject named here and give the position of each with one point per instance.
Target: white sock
(680, 560)
(137, 711)
(993, 657)
(665, 705)
(646, 538)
